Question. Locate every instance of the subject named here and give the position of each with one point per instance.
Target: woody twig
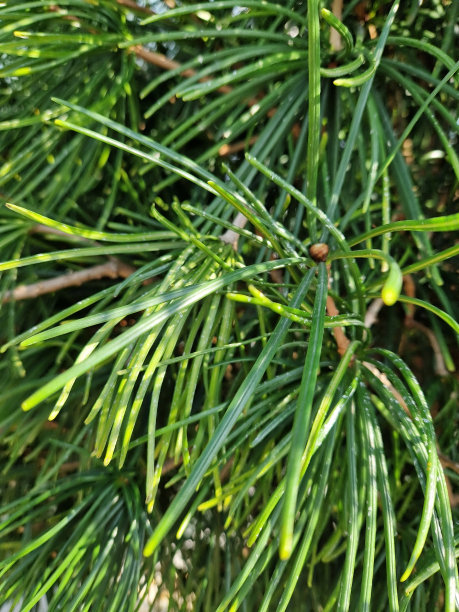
(342, 342)
(113, 268)
(411, 323)
(335, 39)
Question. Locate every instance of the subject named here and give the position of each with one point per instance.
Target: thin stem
(114, 268)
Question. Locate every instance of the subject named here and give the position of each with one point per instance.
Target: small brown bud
(318, 251)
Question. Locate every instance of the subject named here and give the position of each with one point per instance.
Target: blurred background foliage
(168, 380)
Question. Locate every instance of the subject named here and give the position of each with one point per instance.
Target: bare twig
(439, 362)
(386, 382)
(160, 60)
(136, 7)
(228, 149)
(232, 237)
(410, 290)
(453, 497)
(371, 316)
(170, 464)
(342, 341)
(335, 39)
(448, 463)
(114, 268)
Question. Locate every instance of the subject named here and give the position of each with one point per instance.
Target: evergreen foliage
(229, 305)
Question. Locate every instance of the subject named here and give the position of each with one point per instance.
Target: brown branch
(409, 287)
(135, 7)
(448, 463)
(386, 382)
(232, 237)
(228, 149)
(342, 341)
(371, 316)
(160, 60)
(335, 39)
(171, 464)
(114, 268)
(453, 497)
(439, 362)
